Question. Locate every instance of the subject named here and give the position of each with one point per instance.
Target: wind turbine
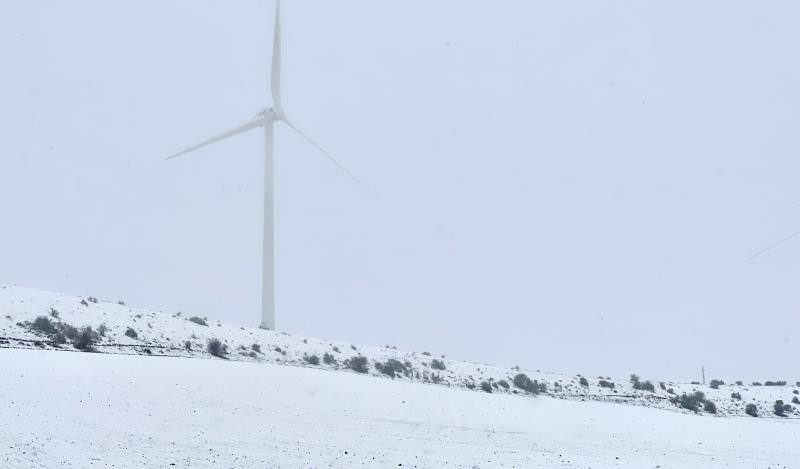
(267, 119)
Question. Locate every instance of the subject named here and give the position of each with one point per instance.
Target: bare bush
(358, 364)
(198, 321)
(526, 384)
(606, 384)
(437, 364)
(217, 348)
(329, 359)
(391, 367)
(86, 339)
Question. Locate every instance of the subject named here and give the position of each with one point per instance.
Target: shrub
(217, 348)
(437, 364)
(336, 349)
(427, 354)
(795, 400)
(358, 364)
(328, 359)
(751, 410)
(739, 383)
(634, 378)
(670, 391)
(256, 348)
(606, 384)
(504, 384)
(188, 345)
(785, 407)
(486, 387)
(756, 383)
(736, 395)
(131, 333)
(692, 401)
(59, 339)
(523, 382)
(391, 368)
(102, 329)
(252, 354)
(716, 383)
(86, 339)
(469, 385)
(70, 332)
(775, 383)
(795, 392)
(534, 387)
(584, 381)
(710, 407)
(54, 312)
(311, 359)
(43, 325)
(198, 321)
(646, 386)
(663, 386)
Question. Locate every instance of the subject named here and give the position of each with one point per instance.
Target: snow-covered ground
(173, 334)
(101, 410)
(160, 398)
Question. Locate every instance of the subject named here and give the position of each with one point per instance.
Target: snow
(150, 401)
(104, 410)
(162, 333)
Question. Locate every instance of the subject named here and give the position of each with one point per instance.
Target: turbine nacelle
(272, 114)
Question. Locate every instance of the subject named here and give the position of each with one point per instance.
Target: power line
(773, 246)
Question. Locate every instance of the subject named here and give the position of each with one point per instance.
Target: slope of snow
(103, 410)
(168, 334)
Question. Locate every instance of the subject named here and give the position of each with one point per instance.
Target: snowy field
(158, 398)
(100, 410)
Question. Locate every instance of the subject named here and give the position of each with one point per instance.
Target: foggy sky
(567, 186)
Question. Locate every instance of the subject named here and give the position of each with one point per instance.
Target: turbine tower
(267, 119)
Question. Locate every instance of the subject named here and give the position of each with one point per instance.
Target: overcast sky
(568, 186)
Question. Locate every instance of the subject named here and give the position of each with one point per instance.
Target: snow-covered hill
(83, 410)
(179, 335)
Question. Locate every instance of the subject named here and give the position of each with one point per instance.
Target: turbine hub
(273, 113)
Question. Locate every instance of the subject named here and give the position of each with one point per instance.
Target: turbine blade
(329, 156)
(773, 246)
(230, 133)
(275, 79)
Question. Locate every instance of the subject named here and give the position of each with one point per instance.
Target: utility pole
(703, 372)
